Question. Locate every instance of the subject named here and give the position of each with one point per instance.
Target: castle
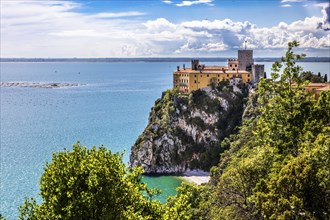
(200, 76)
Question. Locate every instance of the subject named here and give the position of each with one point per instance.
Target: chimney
(184, 66)
(178, 68)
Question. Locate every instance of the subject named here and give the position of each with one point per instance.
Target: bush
(90, 184)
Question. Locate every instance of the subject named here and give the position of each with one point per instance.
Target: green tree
(277, 165)
(189, 203)
(91, 184)
(284, 105)
(310, 76)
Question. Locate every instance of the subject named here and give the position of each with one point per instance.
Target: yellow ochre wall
(189, 81)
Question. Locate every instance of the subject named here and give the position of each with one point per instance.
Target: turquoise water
(111, 108)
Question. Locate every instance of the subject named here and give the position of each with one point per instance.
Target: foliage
(277, 165)
(28, 209)
(274, 173)
(189, 203)
(91, 184)
(311, 77)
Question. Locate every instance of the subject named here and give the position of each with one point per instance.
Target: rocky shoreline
(38, 85)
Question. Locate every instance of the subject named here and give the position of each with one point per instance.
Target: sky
(162, 28)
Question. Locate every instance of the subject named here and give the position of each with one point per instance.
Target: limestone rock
(184, 129)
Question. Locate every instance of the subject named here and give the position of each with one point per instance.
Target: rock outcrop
(184, 130)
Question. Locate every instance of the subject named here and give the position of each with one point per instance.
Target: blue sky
(240, 10)
(162, 28)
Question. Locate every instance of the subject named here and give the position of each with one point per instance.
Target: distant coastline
(165, 59)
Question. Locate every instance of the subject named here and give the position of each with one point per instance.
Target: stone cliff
(184, 130)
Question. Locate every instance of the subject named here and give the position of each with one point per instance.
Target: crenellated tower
(245, 60)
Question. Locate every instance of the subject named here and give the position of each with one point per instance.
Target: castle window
(231, 65)
(201, 75)
(248, 75)
(227, 75)
(207, 75)
(233, 68)
(195, 81)
(218, 75)
(235, 65)
(195, 75)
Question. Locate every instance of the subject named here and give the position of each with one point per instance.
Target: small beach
(197, 177)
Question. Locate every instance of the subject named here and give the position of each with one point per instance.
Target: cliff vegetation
(277, 165)
(184, 130)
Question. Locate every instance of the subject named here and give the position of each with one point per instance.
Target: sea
(110, 107)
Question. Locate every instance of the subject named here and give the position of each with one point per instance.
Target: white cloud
(286, 6)
(78, 33)
(322, 5)
(118, 14)
(283, 1)
(197, 2)
(325, 24)
(159, 25)
(167, 2)
(56, 29)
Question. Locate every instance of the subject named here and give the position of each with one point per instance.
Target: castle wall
(181, 81)
(190, 80)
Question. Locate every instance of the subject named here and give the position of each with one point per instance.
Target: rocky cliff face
(184, 130)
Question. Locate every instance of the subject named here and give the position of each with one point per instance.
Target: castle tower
(245, 60)
(194, 64)
(257, 72)
(232, 64)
